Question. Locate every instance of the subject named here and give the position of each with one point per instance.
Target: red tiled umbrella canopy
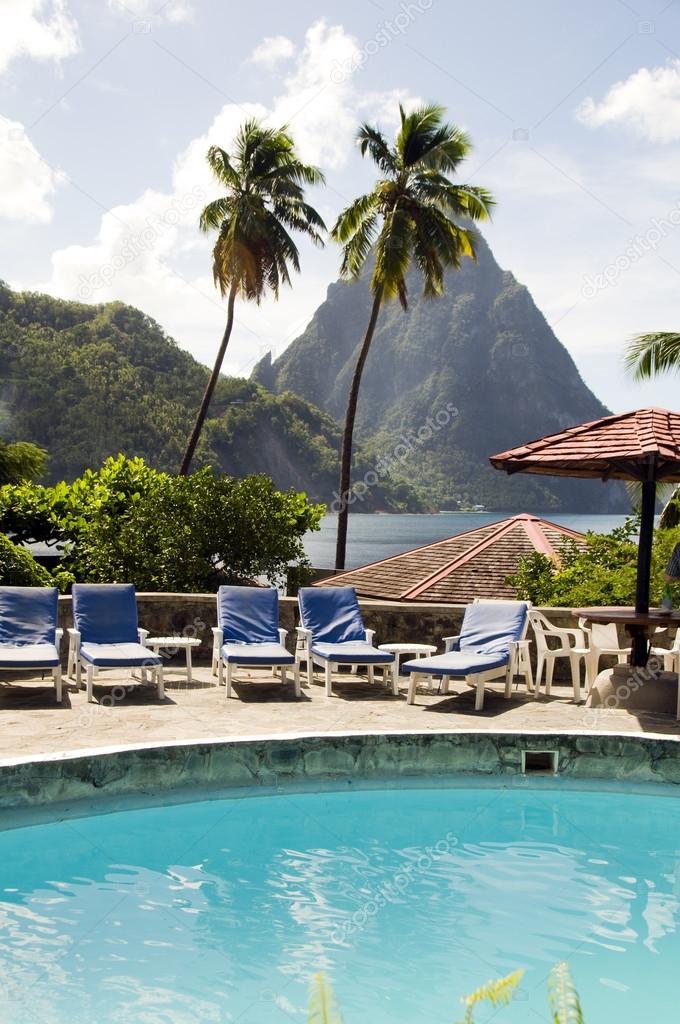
(643, 446)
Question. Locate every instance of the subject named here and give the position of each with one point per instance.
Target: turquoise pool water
(222, 910)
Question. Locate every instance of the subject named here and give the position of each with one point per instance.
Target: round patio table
(639, 625)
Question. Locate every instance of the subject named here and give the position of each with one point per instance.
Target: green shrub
(603, 572)
(129, 523)
(18, 567)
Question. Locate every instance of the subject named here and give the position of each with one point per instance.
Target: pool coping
(247, 764)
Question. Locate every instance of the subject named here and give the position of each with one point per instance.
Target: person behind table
(673, 567)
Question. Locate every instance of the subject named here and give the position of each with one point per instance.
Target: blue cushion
(352, 653)
(489, 627)
(105, 613)
(29, 656)
(257, 654)
(28, 615)
(123, 655)
(332, 614)
(249, 614)
(457, 663)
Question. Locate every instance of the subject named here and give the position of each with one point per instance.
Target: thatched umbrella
(643, 446)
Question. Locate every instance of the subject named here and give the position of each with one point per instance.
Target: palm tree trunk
(210, 387)
(347, 438)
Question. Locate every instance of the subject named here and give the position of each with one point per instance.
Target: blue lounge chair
(29, 638)
(106, 634)
(491, 645)
(332, 632)
(248, 634)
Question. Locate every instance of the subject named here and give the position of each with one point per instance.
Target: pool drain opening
(540, 762)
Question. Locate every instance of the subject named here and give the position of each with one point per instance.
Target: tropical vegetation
(89, 381)
(413, 213)
(129, 523)
(20, 460)
(601, 572)
(254, 253)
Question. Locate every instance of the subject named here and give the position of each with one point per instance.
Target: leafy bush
(128, 522)
(604, 572)
(20, 461)
(18, 567)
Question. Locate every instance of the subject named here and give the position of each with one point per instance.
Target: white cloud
(174, 11)
(143, 248)
(647, 103)
(272, 50)
(27, 182)
(40, 29)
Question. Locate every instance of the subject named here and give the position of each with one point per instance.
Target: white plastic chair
(603, 638)
(553, 642)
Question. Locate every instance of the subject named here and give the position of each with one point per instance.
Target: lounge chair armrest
(283, 633)
(143, 635)
(449, 642)
(73, 641)
(303, 640)
(58, 634)
(370, 633)
(218, 636)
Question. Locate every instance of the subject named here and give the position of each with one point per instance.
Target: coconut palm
(647, 356)
(413, 213)
(650, 354)
(263, 202)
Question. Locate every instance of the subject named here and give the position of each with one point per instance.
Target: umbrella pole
(644, 569)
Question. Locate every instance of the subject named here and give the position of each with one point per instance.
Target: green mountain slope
(449, 383)
(86, 382)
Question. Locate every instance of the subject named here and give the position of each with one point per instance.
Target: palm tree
(411, 214)
(646, 356)
(650, 354)
(263, 201)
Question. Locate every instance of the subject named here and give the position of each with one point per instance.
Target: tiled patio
(32, 723)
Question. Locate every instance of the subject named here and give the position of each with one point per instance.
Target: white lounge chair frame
(303, 653)
(219, 664)
(519, 663)
(54, 670)
(76, 663)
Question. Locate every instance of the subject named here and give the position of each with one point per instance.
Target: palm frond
(392, 253)
(323, 1007)
(372, 141)
(670, 513)
(497, 993)
(264, 199)
(651, 354)
(563, 998)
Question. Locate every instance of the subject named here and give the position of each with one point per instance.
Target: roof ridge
(505, 526)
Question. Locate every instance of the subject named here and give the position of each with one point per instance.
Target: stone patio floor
(32, 723)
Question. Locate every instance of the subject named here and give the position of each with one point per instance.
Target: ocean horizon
(373, 536)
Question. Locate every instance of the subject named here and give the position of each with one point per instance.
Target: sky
(573, 107)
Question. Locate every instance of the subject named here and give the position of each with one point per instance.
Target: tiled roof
(458, 569)
(628, 446)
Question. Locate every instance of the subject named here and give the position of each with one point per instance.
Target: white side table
(175, 643)
(417, 650)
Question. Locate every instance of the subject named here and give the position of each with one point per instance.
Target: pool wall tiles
(341, 758)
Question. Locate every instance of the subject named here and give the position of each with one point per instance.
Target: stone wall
(185, 770)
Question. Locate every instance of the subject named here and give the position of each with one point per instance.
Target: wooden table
(639, 625)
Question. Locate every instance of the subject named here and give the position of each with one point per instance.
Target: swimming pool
(407, 898)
